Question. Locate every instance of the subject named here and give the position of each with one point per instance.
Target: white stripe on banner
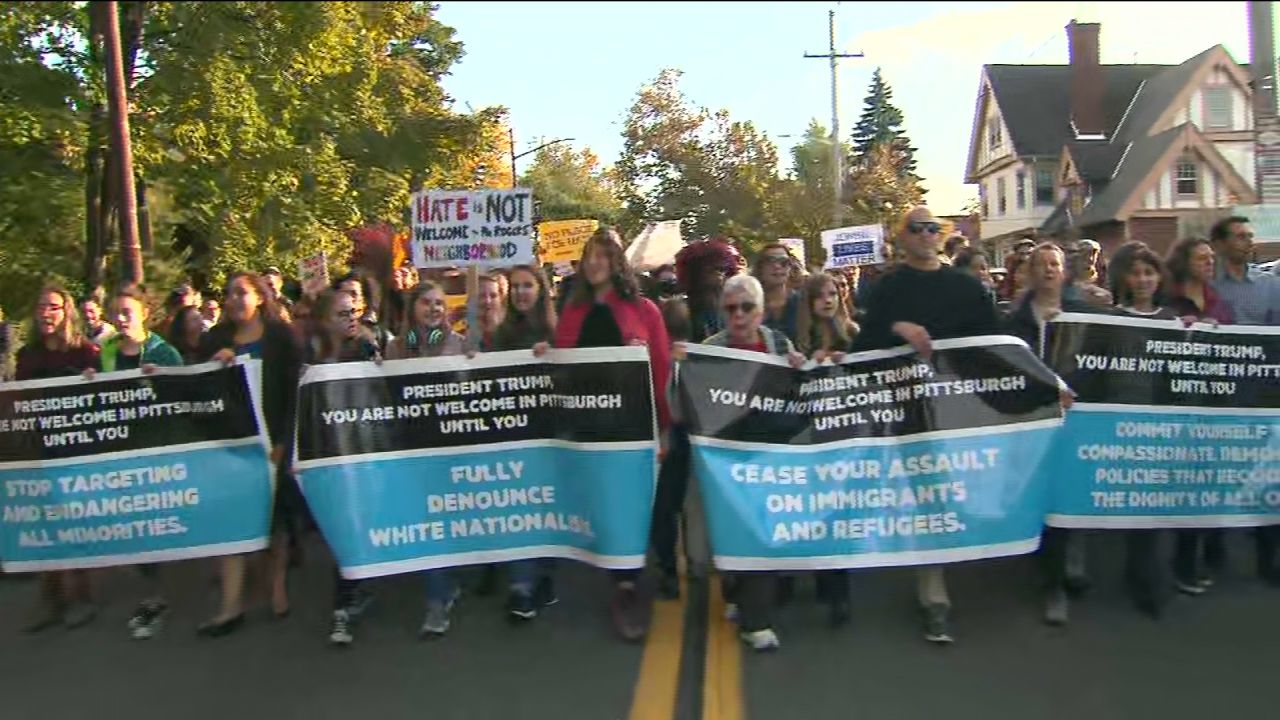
(883, 559)
(1130, 321)
(118, 375)
(985, 341)
(564, 552)
(138, 453)
(1156, 522)
(154, 556)
(473, 449)
(482, 361)
(706, 441)
(1173, 409)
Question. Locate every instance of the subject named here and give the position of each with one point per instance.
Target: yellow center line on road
(722, 677)
(654, 697)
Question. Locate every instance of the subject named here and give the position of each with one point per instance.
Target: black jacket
(1022, 320)
(281, 364)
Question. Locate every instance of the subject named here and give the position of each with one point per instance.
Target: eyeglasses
(932, 228)
(346, 314)
(775, 259)
(746, 307)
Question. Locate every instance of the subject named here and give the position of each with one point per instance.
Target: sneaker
(1205, 581)
(79, 614)
(521, 607)
(669, 586)
(436, 624)
(545, 592)
(935, 624)
(1056, 607)
(1190, 588)
(761, 640)
(147, 620)
(731, 612)
(340, 629)
(625, 610)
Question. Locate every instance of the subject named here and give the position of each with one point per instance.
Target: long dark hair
(1178, 262)
(269, 309)
(176, 332)
(322, 337)
(1122, 262)
(541, 319)
(620, 275)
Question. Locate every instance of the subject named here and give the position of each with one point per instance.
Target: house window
(1002, 206)
(1044, 186)
(1217, 107)
(1022, 190)
(1186, 176)
(995, 136)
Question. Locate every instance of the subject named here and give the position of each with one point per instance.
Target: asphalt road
(1209, 657)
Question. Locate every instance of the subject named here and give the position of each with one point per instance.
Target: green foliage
(570, 184)
(881, 127)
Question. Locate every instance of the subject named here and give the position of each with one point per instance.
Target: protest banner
(460, 228)
(850, 246)
(1171, 427)
(655, 246)
(132, 468)
(437, 462)
(562, 240)
(313, 274)
(795, 246)
(880, 460)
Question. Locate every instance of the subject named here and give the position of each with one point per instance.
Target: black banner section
(412, 405)
(1135, 361)
(968, 383)
(74, 417)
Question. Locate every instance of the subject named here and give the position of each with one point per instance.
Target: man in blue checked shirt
(1254, 296)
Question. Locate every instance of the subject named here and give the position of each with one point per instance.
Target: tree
(569, 184)
(876, 192)
(881, 127)
(679, 161)
(808, 205)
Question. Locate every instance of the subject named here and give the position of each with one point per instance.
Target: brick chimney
(1086, 80)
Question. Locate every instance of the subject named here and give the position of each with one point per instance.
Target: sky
(571, 70)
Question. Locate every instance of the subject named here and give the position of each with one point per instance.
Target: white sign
(313, 274)
(457, 228)
(859, 245)
(655, 246)
(795, 246)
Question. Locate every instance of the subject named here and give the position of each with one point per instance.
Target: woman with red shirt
(606, 309)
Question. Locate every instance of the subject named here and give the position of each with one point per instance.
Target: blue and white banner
(438, 462)
(880, 460)
(1173, 427)
(132, 468)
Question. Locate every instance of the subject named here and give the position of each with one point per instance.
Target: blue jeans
(442, 585)
(523, 575)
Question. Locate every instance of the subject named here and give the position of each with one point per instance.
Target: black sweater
(946, 302)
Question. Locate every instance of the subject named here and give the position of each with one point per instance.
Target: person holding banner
(606, 309)
(529, 323)
(1062, 551)
(58, 348)
(133, 347)
(1136, 274)
(493, 296)
(364, 290)
(428, 334)
(918, 302)
(1189, 268)
(252, 325)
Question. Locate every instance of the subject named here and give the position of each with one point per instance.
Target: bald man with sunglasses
(917, 302)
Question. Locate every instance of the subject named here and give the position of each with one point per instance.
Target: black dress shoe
(215, 629)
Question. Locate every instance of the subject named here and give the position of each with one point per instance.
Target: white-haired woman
(742, 302)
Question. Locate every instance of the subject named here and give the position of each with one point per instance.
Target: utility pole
(837, 159)
(118, 110)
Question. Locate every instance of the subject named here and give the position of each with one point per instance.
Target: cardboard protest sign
(850, 246)
(313, 274)
(563, 240)
(458, 228)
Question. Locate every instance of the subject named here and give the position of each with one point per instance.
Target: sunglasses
(776, 259)
(746, 307)
(932, 228)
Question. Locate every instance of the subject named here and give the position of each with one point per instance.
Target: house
(1111, 152)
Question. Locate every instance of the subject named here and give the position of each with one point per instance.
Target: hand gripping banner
(1173, 427)
(437, 462)
(880, 460)
(131, 468)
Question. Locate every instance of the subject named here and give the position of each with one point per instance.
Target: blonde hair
(69, 334)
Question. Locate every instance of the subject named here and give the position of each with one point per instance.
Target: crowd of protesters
(930, 290)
